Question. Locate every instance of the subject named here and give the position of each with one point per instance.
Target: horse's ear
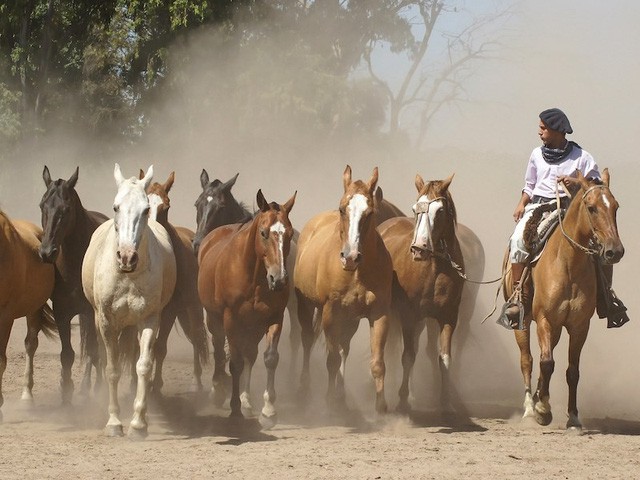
(377, 198)
(289, 203)
(140, 174)
(419, 182)
(146, 180)
(606, 177)
(73, 179)
(46, 176)
(447, 181)
(346, 177)
(204, 179)
(117, 174)
(169, 183)
(263, 205)
(230, 183)
(374, 180)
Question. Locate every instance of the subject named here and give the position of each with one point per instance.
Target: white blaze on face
(426, 221)
(209, 198)
(279, 229)
(154, 202)
(356, 208)
(605, 200)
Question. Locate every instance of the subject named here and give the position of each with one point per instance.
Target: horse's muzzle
(612, 252)
(350, 261)
(419, 254)
(48, 254)
(127, 261)
(277, 284)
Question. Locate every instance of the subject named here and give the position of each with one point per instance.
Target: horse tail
(48, 324)
(128, 348)
(192, 322)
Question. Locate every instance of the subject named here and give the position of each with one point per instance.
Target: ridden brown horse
(243, 285)
(184, 304)
(344, 270)
(25, 286)
(68, 227)
(564, 286)
(426, 284)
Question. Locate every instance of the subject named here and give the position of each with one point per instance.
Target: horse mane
(434, 188)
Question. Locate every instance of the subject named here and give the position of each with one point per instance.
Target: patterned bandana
(554, 156)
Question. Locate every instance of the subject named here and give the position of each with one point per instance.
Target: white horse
(128, 276)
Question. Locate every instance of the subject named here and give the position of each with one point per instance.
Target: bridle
(420, 209)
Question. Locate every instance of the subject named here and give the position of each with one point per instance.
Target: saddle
(539, 228)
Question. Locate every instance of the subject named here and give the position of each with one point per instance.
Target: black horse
(68, 227)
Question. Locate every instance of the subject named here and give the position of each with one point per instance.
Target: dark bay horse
(243, 285)
(184, 304)
(344, 271)
(564, 286)
(216, 206)
(128, 276)
(68, 227)
(426, 285)
(25, 286)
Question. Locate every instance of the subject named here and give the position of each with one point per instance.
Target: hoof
(574, 430)
(267, 423)
(403, 408)
(114, 431)
(137, 434)
(544, 419)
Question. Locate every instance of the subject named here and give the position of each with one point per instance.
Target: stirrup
(506, 322)
(617, 313)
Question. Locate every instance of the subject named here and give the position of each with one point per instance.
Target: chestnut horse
(426, 284)
(243, 285)
(25, 286)
(128, 276)
(564, 281)
(68, 227)
(184, 303)
(216, 206)
(344, 270)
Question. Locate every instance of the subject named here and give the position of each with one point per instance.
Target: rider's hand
(519, 211)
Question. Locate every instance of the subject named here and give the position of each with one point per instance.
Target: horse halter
(419, 209)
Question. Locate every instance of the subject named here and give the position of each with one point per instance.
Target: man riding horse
(555, 161)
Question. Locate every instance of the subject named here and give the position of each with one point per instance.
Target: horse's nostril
(118, 255)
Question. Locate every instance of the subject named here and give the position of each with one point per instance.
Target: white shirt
(540, 178)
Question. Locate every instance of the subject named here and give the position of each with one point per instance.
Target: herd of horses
(129, 277)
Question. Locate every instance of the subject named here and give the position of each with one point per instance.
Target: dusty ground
(189, 438)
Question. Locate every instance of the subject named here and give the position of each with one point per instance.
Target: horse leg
(348, 330)
(444, 360)
(331, 327)
(577, 337)
(67, 356)
(199, 341)
(219, 379)
(167, 319)
(305, 319)
(547, 338)
(378, 328)
(138, 428)
(112, 375)
(236, 365)
(410, 339)
(89, 351)
(268, 415)
(295, 332)
(30, 347)
(5, 332)
(523, 339)
(250, 353)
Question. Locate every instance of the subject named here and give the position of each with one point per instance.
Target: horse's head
(58, 207)
(601, 209)
(273, 238)
(212, 206)
(131, 207)
(357, 207)
(435, 216)
(158, 194)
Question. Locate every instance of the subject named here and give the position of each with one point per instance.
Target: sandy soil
(189, 438)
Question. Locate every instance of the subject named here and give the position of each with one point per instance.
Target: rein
(586, 250)
(420, 209)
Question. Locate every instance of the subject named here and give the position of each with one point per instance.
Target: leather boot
(511, 312)
(608, 304)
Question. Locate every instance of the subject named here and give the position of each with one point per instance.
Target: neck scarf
(554, 156)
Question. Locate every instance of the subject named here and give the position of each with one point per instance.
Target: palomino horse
(184, 303)
(426, 284)
(68, 227)
(128, 276)
(564, 280)
(243, 285)
(216, 206)
(25, 286)
(344, 270)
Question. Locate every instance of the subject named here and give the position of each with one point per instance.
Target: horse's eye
(592, 209)
(342, 210)
(116, 208)
(264, 233)
(146, 211)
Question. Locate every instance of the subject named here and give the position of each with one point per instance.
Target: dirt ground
(189, 438)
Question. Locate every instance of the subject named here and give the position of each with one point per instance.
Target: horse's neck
(576, 226)
(80, 232)
(239, 213)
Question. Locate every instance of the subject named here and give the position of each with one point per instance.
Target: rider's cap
(555, 119)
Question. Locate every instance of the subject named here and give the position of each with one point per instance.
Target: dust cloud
(571, 55)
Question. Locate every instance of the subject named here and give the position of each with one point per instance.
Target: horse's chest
(358, 296)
